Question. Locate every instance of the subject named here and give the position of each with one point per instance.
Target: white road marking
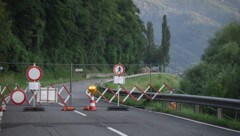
(78, 112)
(198, 122)
(116, 131)
(60, 104)
(202, 123)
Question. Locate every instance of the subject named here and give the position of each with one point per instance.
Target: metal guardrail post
(197, 108)
(179, 106)
(219, 113)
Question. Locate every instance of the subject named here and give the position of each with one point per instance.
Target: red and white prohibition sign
(18, 97)
(34, 73)
(118, 69)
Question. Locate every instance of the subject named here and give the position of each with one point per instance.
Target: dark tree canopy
(70, 31)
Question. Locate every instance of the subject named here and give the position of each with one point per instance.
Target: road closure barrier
(129, 94)
(63, 101)
(5, 96)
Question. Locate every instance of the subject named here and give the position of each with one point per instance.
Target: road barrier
(64, 101)
(129, 94)
(32, 96)
(5, 96)
(173, 100)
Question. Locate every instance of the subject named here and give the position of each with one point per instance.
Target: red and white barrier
(115, 95)
(129, 93)
(5, 98)
(63, 102)
(157, 91)
(143, 93)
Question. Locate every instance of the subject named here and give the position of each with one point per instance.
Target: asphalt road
(54, 122)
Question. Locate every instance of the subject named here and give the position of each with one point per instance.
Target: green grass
(188, 112)
(144, 81)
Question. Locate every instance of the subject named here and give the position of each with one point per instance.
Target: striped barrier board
(130, 93)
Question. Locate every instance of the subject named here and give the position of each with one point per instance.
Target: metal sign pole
(34, 100)
(118, 94)
(118, 70)
(70, 101)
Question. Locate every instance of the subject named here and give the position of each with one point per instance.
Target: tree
(11, 48)
(165, 44)
(218, 73)
(150, 45)
(71, 31)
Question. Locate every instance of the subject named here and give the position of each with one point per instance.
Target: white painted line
(78, 112)
(198, 122)
(116, 131)
(60, 104)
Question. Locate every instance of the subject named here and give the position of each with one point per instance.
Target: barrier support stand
(118, 107)
(34, 107)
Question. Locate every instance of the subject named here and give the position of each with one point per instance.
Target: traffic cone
(92, 106)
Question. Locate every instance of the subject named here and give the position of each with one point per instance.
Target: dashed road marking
(78, 112)
(198, 122)
(116, 131)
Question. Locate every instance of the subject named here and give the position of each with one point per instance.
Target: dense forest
(218, 73)
(71, 31)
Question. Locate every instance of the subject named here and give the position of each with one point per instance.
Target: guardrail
(219, 103)
(201, 100)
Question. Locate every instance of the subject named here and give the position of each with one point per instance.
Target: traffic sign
(34, 73)
(33, 85)
(119, 80)
(18, 97)
(118, 69)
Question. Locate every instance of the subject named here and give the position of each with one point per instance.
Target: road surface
(135, 122)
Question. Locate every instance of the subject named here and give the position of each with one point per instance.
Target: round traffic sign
(18, 97)
(34, 73)
(118, 69)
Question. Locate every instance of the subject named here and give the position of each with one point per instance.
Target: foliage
(150, 46)
(218, 73)
(70, 31)
(158, 56)
(143, 82)
(165, 44)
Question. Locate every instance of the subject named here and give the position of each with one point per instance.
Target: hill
(192, 23)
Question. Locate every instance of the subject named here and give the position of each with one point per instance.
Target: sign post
(118, 79)
(18, 97)
(34, 74)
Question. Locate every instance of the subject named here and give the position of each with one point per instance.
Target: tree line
(218, 72)
(76, 31)
(158, 55)
(71, 31)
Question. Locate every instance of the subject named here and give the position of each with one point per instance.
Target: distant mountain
(192, 23)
